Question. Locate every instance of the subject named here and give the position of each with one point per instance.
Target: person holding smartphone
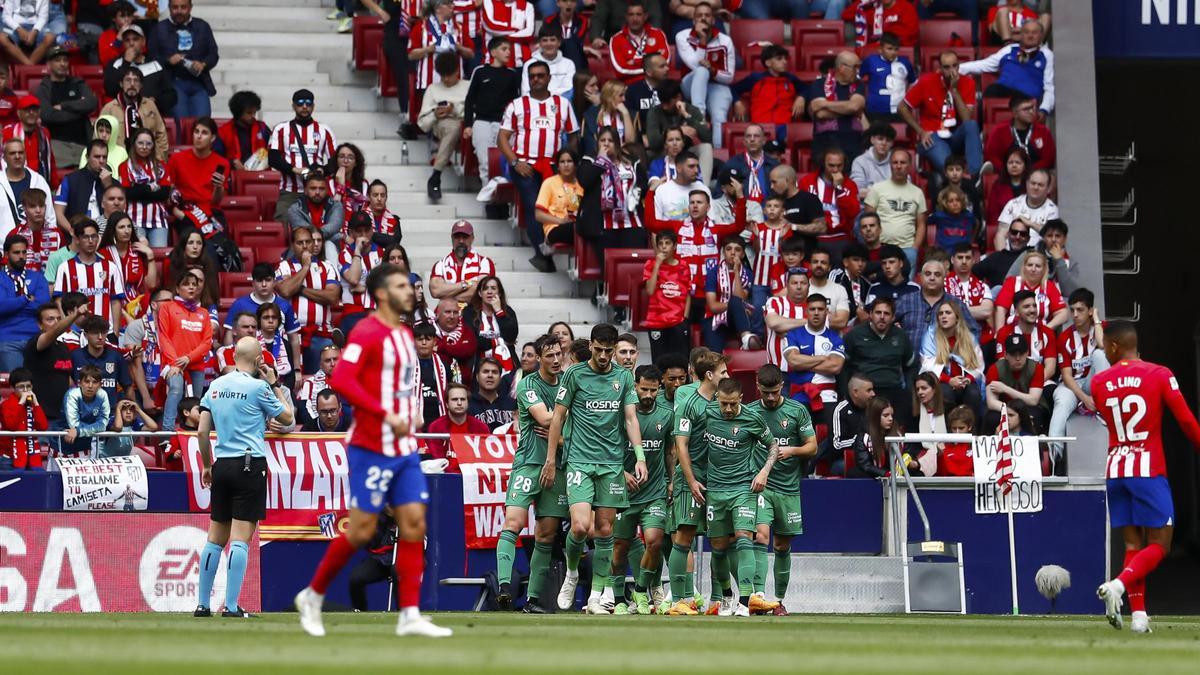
(21, 412)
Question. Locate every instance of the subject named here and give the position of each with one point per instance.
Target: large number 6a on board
(1127, 413)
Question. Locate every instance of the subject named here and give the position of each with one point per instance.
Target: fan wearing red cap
(28, 128)
(456, 275)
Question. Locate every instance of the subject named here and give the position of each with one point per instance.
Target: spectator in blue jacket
(185, 46)
(1025, 66)
(21, 293)
(87, 410)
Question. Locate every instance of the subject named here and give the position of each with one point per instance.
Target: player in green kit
(535, 394)
(603, 406)
(779, 504)
(691, 453)
(647, 502)
(730, 492)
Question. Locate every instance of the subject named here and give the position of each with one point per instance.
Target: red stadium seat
(385, 83)
(263, 184)
(814, 39)
(742, 367)
(587, 261)
(250, 234)
(800, 133)
(21, 75)
(366, 38)
(747, 31)
(804, 27)
(952, 32)
(241, 207)
(271, 254)
(506, 193)
(235, 284)
(623, 272)
(638, 306)
(810, 58)
(992, 108)
(172, 130)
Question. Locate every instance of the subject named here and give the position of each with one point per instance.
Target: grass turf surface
(495, 643)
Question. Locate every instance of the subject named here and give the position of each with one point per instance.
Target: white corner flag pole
(1012, 558)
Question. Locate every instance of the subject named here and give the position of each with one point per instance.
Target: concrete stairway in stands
(274, 47)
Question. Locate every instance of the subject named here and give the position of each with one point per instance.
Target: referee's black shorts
(238, 494)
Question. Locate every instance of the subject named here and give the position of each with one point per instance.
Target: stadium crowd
(870, 208)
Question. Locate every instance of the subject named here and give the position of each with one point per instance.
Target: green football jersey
(596, 402)
(731, 447)
(532, 390)
(791, 425)
(689, 423)
(657, 431)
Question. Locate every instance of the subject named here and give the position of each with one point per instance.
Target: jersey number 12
(1135, 407)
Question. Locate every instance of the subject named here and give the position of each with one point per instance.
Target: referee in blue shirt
(238, 406)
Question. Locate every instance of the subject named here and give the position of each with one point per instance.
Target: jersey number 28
(1133, 406)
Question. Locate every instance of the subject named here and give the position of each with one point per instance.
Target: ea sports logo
(169, 571)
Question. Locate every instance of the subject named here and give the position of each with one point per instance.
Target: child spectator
(775, 93)
(188, 415)
(128, 417)
(953, 221)
(21, 411)
(562, 69)
(95, 351)
(791, 256)
(888, 76)
(87, 411)
(955, 174)
(955, 458)
(668, 281)
(110, 46)
(273, 338)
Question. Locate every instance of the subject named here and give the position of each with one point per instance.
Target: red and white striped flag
(1004, 461)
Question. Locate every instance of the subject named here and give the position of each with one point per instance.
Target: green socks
(636, 550)
(681, 588)
(760, 568)
(648, 579)
(745, 566)
(575, 552)
(783, 572)
(539, 565)
(602, 564)
(719, 574)
(506, 551)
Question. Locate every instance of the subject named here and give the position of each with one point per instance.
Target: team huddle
(615, 452)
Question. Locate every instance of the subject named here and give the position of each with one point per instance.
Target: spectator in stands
(1025, 66)
(1034, 277)
(869, 447)
(88, 411)
(953, 222)
(791, 256)
(839, 201)
(893, 282)
(673, 112)
(188, 416)
(875, 164)
(435, 375)
(185, 46)
(493, 86)
(697, 232)
(38, 147)
(754, 164)
(1080, 357)
(668, 282)
(1004, 20)
(457, 275)
(1062, 269)
(790, 9)
(457, 342)
(437, 33)
(494, 322)
(8, 98)
(837, 303)
(562, 69)
(314, 288)
(776, 95)
(588, 86)
(243, 140)
(22, 292)
(558, 202)
(66, 103)
(274, 340)
(815, 356)
(305, 396)
(850, 276)
(330, 417)
(1024, 133)
(800, 208)
(184, 342)
(727, 294)
(974, 293)
(512, 19)
(49, 357)
(316, 210)
(140, 343)
(784, 313)
(836, 103)
(642, 95)
(441, 116)
(530, 136)
(940, 109)
(356, 258)
(1010, 185)
(724, 207)
(25, 39)
(385, 223)
(628, 47)
(397, 17)
(298, 146)
(613, 182)
(112, 201)
(1016, 380)
(572, 27)
(347, 179)
(610, 111)
(880, 350)
(1034, 209)
(929, 409)
(190, 251)
(157, 82)
(245, 324)
(609, 18)
(456, 420)
(887, 75)
(102, 130)
(135, 111)
(20, 180)
(901, 207)
(262, 292)
(710, 57)
(951, 353)
(1028, 325)
(490, 403)
(121, 245)
(200, 175)
(148, 188)
(917, 312)
(88, 273)
(21, 411)
(114, 379)
(121, 15)
(872, 18)
(664, 167)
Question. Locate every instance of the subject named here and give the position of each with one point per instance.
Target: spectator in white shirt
(1033, 208)
(709, 55)
(562, 69)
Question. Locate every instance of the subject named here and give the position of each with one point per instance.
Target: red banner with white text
(111, 562)
(486, 462)
(308, 485)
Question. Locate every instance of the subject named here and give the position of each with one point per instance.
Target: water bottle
(404, 153)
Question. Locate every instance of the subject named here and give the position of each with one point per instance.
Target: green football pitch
(495, 643)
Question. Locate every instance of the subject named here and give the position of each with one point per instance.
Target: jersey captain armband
(352, 352)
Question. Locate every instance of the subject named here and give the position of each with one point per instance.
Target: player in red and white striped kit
(380, 377)
(1130, 397)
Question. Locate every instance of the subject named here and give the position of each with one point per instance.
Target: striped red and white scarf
(861, 34)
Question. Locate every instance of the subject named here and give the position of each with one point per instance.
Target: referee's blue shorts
(1143, 502)
(377, 480)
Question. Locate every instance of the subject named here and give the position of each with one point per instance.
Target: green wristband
(639, 453)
